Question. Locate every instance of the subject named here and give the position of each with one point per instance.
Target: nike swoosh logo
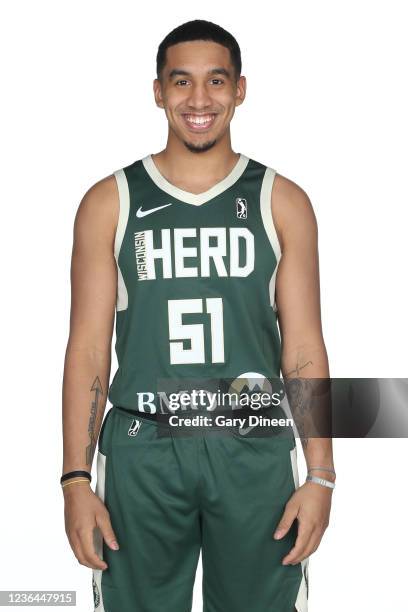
(143, 213)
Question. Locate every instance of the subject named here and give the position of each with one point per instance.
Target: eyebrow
(181, 72)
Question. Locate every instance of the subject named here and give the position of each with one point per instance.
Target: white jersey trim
(124, 206)
(266, 213)
(98, 540)
(194, 198)
(301, 604)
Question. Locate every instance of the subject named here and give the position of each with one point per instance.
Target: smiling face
(199, 91)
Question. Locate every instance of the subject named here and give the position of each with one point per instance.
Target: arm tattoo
(297, 369)
(310, 404)
(90, 449)
(299, 392)
(305, 442)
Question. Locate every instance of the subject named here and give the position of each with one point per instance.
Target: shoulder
(292, 210)
(98, 210)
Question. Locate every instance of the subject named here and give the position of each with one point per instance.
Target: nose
(199, 97)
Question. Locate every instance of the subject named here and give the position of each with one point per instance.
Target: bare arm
(93, 296)
(87, 358)
(298, 300)
(304, 353)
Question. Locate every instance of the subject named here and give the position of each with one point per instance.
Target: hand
(84, 511)
(310, 504)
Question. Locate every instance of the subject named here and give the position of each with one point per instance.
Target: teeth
(199, 120)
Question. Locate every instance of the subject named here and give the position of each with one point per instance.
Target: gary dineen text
(224, 421)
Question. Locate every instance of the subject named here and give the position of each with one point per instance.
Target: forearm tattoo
(297, 369)
(96, 390)
(299, 392)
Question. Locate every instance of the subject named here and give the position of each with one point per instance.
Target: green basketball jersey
(196, 281)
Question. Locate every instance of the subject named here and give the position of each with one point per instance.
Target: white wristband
(321, 481)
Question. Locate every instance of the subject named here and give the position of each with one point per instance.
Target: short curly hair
(199, 29)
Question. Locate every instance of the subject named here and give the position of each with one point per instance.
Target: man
(185, 246)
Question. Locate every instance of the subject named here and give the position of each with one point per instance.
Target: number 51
(195, 331)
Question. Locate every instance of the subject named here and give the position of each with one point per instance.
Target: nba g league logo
(241, 205)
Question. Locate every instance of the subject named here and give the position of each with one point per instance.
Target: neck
(195, 171)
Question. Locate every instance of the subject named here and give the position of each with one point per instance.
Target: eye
(182, 81)
(217, 81)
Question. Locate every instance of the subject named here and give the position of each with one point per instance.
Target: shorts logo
(134, 427)
(242, 209)
(96, 596)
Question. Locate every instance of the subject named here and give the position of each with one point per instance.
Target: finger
(104, 524)
(87, 549)
(286, 521)
(77, 550)
(306, 552)
(311, 547)
(302, 541)
(76, 545)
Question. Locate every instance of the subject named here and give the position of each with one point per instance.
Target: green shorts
(170, 497)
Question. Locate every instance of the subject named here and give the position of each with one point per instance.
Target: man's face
(199, 92)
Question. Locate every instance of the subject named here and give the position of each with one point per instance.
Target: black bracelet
(75, 473)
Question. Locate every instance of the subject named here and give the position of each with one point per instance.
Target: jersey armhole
(269, 225)
(124, 206)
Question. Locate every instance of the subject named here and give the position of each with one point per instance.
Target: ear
(241, 91)
(157, 91)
